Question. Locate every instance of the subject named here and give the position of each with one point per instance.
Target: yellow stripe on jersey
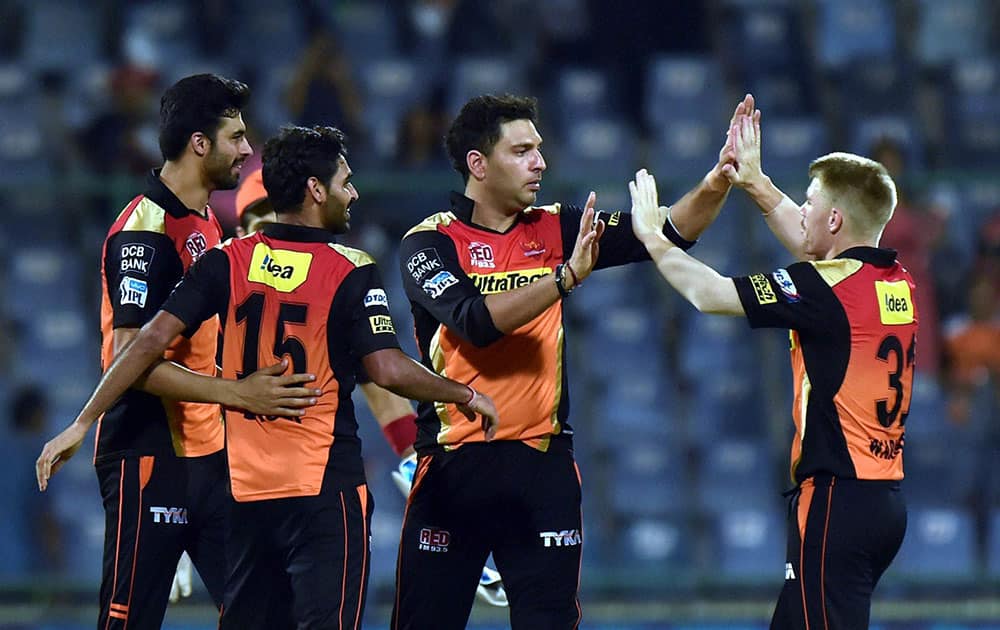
(357, 257)
(895, 305)
(437, 361)
(282, 269)
(554, 208)
(146, 217)
(836, 270)
(432, 222)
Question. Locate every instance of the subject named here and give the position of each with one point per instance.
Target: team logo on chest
(532, 247)
(481, 255)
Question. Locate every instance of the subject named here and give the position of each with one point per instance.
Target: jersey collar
(878, 256)
(462, 206)
(158, 193)
(299, 233)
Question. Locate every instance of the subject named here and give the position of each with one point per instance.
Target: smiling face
(340, 194)
(816, 221)
(514, 167)
(229, 150)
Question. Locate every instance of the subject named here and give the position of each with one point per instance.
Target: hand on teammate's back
(482, 405)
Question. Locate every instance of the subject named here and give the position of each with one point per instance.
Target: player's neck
(186, 184)
(490, 212)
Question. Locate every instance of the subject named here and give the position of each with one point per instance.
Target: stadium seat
(866, 131)
(788, 145)
(683, 88)
(366, 30)
(848, 29)
(583, 93)
(736, 474)
(390, 88)
(648, 477)
(601, 149)
(473, 76)
(939, 544)
(663, 543)
(974, 115)
(750, 544)
(993, 545)
(62, 35)
(684, 149)
(948, 31)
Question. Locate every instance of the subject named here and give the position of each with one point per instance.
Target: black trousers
(155, 508)
(842, 535)
(519, 503)
(299, 562)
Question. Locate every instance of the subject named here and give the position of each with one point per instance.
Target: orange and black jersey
(290, 291)
(449, 265)
(148, 248)
(853, 327)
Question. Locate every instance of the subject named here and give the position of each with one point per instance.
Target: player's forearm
(385, 405)
(698, 283)
(512, 309)
(696, 210)
(174, 381)
(781, 213)
(400, 374)
(144, 350)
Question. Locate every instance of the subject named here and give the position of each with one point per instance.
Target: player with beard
(160, 462)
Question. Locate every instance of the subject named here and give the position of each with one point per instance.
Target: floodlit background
(683, 421)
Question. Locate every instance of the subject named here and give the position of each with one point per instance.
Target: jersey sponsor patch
(424, 263)
(381, 324)
(613, 220)
(136, 258)
(762, 289)
(895, 305)
(489, 283)
(481, 255)
(435, 286)
(196, 245)
(376, 297)
(133, 291)
(282, 269)
(786, 285)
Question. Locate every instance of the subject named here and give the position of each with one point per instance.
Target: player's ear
(476, 162)
(836, 220)
(316, 190)
(200, 144)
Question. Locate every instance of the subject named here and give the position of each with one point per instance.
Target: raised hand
(727, 154)
(586, 249)
(746, 169)
(647, 215)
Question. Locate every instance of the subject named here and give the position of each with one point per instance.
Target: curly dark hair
(197, 104)
(295, 155)
(477, 126)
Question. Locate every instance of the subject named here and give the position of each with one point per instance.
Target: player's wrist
(401, 433)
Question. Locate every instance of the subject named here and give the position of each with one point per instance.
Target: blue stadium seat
(685, 149)
(848, 29)
(866, 131)
(23, 157)
(750, 544)
(935, 477)
(993, 545)
(274, 28)
(948, 31)
(366, 30)
(160, 34)
(683, 88)
(928, 419)
(736, 474)
(783, 95)
(974, 114)
(789, 144)
(391, 87)
(939, 544)
(648, 477)
(602, 149)
(583, 93)
(42, 277)
(662, 543)
(473, 76)
(62, 35)
(759, 36)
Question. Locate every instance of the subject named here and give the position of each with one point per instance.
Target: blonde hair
(860, 186)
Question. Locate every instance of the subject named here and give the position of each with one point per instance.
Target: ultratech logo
(170, 516)
(381, 324)
(434, 540)
(562, 538)
(762, 289)
(489, 283)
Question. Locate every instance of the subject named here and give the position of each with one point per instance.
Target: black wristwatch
(560, 277)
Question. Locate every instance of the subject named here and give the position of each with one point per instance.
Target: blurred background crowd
(683, 421)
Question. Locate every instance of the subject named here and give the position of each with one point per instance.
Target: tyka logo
(562, 538)
(170, 516)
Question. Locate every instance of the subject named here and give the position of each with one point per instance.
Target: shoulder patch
(431, 223)
(554, 208)
(357, 257)
(146, 217)
(837, 270)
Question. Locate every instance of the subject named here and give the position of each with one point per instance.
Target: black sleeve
(434, 280)
(203, 292)
(619, 246)
(360, 315)
(797, 298)
(140, 270)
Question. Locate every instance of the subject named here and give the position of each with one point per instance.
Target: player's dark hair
(295, 155)
(197, 103)
(477, 126)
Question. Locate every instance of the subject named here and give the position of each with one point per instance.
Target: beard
(219, 169)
